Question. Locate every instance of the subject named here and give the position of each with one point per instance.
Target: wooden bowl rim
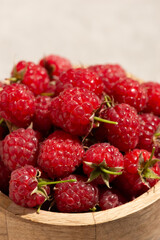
(81, 219)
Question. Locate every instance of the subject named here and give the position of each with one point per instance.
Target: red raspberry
(125, 134)
(73, 110)
(148, 126)
(19, 148)
(110, 198)
(32, 75)
(24, 189)
(41, 120)
(82, 78)
(55, 65)
(60, 154)
(103, 161)
(4, 177)
(110, 74)
(136, 178)
(17, 104)
(131, 92)
(153, 93)
(77, 196)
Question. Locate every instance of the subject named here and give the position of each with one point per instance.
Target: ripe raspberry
(103, 161)
(73, 110)
(41, 120)
(77, 196)
(17, 104)
(82, 78)
(60, 154)
(32, 75)
(110, 198)
(110, 74)
(148, 126)
(137, 177)
(19, 148)
(125, 134)
(131, 92)
(55, 65)
(153, 93)
(4, 177)
(24, 189)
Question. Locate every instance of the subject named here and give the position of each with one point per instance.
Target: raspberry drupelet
(55, 65)
(60, 154)
(17, 104)
(149, 132)
(75, 197)
(20, 148)
(74, 111)
(41, 119)
(103, 163)
(141, 172)
(125, 134)
(32, 75)
(109, 74)
(24, 189)
(130, 91)
(110, 198)
(82, 78)
(153, 93)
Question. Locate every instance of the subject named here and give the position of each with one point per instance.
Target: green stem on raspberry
(104, 120)
(157, 134)
(1, 120)
(110, 172)
(108, 101)
(47, 94)
(12, 79)
(44, 183)
(147, 165)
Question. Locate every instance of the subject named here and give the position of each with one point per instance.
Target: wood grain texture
(136, 220)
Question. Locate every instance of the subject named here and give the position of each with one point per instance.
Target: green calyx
(103, 170)
(145, 168)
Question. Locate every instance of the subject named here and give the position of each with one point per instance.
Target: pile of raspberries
(77, 139)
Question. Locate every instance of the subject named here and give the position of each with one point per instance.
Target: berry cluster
(79, 139)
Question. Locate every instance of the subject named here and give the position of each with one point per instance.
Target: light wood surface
(136, 220)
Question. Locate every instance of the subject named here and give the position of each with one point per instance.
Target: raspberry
(32, 75)
(73, 110)
(77, 196)
(110, 198)
(131, 92)
(4, 177)
(153, 93)
(41, 120)
(102, 160)
(55, 65)
(125, 134)
(24, 189)
(17, 104)
(60, 154)
(148, 126)
(109, 73)
(136, 178)
(82, 78)
(19, 148)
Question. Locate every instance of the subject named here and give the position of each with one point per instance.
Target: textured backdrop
(85, 31)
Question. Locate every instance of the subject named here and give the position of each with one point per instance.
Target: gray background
(85, 31)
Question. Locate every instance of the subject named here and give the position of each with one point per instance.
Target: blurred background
(85, 31)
